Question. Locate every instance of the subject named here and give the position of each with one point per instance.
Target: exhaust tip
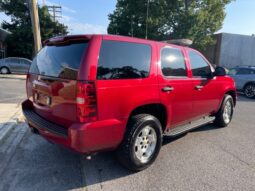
(35, 131)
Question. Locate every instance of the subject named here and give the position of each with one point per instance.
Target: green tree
(21, 42)
(197, 20)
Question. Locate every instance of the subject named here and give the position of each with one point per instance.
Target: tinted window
(61, 61)
(12, 60)
(172, 62)
(25, 62)
(123, 60)
(232, 71)
(200, 68)
(245, 71)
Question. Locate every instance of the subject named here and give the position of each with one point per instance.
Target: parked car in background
(14, 65)
(244, 77)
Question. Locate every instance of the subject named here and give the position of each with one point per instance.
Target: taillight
(86, 101)
(27, 79)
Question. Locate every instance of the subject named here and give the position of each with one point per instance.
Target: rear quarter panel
(227, 85)
(116, 99)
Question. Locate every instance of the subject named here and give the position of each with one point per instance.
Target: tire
(4, 70)
(249, 90)
(141, 144)
(225, 113)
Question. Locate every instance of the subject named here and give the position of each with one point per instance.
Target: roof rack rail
(182, 42)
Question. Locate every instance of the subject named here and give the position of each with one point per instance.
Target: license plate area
(42, 99)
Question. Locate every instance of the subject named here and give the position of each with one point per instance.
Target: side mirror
(220, 71)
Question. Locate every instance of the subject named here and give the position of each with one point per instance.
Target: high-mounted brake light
(86, 101)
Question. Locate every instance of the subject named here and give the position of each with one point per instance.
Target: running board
(188, 127)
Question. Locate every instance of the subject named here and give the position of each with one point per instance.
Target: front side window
(199, 67)
(123, 60)
(172, 62)
(232, 71)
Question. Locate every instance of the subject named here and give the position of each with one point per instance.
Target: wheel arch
(158, 110)
(247, 83)
(4, 66)
(232, 93)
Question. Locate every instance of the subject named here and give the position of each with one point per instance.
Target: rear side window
(245, 71)
(200, 68)
(61, 61)
(12, 60)
(25, 62)
(172, 62)
(123, 60)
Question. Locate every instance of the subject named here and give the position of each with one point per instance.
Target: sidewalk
(13, 76)
(10, 115)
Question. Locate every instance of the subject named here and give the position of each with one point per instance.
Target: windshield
(62, 61)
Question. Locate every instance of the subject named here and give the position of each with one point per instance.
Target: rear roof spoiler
(181, 42)
(64, 39)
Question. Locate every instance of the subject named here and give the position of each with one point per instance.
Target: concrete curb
(7, 127)
(11, 76)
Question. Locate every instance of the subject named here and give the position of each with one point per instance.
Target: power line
(55, 11)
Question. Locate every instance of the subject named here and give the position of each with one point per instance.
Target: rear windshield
(61, 61)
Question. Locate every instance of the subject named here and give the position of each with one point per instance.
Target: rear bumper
(83, 138)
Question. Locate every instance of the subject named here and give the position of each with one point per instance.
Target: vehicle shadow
(207, 127)
(28, 162)
(36, 164)
(242, 98)
(104, 167)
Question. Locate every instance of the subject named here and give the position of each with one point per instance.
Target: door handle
(167, 89)
(199, 87)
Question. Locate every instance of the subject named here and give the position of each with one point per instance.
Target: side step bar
(188, 127)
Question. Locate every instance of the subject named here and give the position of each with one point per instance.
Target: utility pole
(187, 4)
(55, 11)
(35, 24)
(147, 15)
(132, 29)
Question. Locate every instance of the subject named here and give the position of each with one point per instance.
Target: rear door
(14, 64)
(52, 80)
(175, 85)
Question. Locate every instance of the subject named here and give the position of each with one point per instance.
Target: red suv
(94, 93)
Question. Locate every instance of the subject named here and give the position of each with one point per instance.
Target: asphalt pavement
(208, 158)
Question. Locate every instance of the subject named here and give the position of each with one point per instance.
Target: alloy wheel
(249, 91)
(145, 144)
(4, 70)
(227, 113)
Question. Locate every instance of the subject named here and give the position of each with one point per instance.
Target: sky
(91, 16)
